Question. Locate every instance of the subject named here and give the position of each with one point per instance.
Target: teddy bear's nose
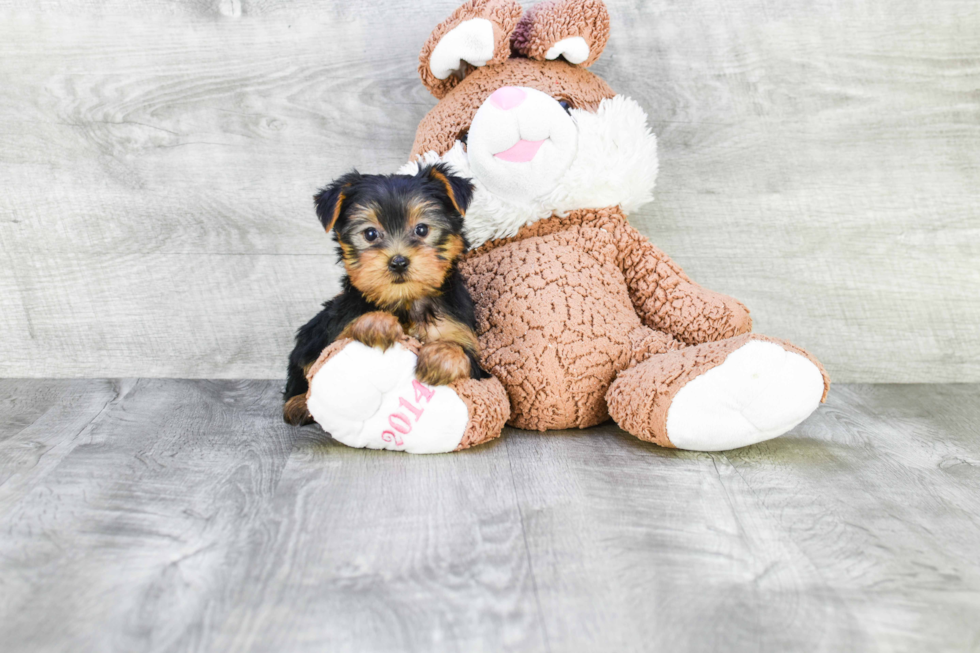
(507, 97)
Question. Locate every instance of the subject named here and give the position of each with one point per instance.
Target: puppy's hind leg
(294, 411)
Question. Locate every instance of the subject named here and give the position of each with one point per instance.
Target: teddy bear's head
(521, 115)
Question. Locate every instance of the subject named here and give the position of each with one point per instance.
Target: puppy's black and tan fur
(399, 237)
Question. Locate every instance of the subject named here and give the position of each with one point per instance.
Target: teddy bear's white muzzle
(520, 143)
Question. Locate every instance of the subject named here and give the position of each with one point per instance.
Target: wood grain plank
(847, 534)
(894, 527)
(637, 548)
(42, 421)
(185, 516)
(124, 546)
(196, 313)
(363, 551)
(819, 161)
(129, 260)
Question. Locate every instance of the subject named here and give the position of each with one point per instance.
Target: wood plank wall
(820, 161)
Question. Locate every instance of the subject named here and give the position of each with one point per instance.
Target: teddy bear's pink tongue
(521, 151)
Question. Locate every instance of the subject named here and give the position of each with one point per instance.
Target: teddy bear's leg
(366, 397)
(718, 395)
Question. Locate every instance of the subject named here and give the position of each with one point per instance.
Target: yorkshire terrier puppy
(399, 237)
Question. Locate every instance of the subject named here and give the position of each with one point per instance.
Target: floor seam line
(527, 549)
(69, 442)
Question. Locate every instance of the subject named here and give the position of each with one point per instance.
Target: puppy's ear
(330, 200)
(459, 190)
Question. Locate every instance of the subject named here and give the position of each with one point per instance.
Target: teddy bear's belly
(555, 328)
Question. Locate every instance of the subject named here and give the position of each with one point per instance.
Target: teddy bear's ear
(574, 29)
(477, 34)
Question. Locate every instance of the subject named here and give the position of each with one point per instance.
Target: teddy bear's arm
(667, 300)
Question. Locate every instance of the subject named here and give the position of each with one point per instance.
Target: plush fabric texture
(615, 163)
(448, 120)
(640, 398)
(580, 318)
(351, 399)
(472, 41)
(503, 15)
(571, 301)
(548, 23)
(579, 315)
(574, 49)
(489, 410)
(366, 397)
(760, 391)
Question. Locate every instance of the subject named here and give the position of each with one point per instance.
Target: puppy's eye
(566, 105)
(371, 234)
(464, 136)
(422, 230)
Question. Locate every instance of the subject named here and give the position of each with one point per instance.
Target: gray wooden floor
(167, 515)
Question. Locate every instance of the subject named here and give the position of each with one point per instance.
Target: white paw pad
(365, 397)
(759, 392)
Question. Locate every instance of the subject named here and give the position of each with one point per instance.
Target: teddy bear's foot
(720, 395)
(369, 397)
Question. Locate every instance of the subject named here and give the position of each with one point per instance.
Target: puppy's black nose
(398, 263)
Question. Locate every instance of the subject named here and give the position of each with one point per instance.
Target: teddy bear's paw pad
(759, 392)
(365, 397)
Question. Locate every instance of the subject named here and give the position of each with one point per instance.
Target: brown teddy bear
(579, 317)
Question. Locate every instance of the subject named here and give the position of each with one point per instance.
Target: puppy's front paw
(378, 329)
(441, 363)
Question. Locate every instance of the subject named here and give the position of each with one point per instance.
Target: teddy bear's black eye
(566, 105)
(371, 234)
(422, 230)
